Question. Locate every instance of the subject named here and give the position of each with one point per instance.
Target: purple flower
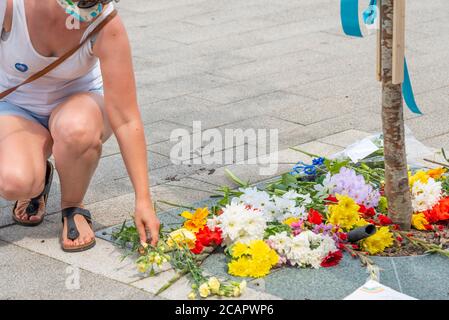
(347, 182)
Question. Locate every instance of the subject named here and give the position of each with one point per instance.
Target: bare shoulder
(113, 35)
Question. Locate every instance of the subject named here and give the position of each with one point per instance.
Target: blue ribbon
(349, 12)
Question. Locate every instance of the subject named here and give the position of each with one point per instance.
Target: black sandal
(72, 230)
(34, 205)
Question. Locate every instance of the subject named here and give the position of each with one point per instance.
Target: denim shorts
(9, 109)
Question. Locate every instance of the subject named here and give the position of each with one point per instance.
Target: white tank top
(18, 60)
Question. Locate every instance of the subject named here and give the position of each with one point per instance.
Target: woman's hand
(146, 219)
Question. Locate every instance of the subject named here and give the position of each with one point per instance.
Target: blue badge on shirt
(21, 67)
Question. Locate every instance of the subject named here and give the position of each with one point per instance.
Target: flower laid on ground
(419, 221)
(378, 242)
(307, 249)
(425, 194)
(241, 223)
(197, 220)
(345, 213)
(348, 183)
(207, 238)
(181, 237)
(254, 259)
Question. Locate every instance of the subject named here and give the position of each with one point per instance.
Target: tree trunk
(396, 178)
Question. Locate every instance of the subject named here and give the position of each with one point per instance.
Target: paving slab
(33, 276)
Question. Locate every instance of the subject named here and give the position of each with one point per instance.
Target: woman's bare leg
(78, 128)
(24, 149)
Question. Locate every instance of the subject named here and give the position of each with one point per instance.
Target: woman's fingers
(154, 235)
(141, 230)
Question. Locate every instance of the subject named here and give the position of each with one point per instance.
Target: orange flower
(436, 173)
(439, 212)
(197, 220)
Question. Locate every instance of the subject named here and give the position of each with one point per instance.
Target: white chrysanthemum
(281, 242)
(307, 249)
(425, 195)
(241, 224)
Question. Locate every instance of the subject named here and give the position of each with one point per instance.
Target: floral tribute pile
(305, 219)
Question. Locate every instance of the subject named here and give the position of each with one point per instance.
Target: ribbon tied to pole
(349, 11)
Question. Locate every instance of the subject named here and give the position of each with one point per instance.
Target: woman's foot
(23, 207)
(80, 236)
(31, 212)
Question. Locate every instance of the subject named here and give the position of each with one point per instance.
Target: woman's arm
(113, 49)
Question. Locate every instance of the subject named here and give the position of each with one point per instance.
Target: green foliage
(275, 228)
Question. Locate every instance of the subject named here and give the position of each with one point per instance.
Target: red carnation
(370, 212)
(332, 259)
(198, 247)
(384, 220)
(315, 217)
(362, 209)
(343, 236)
(332, 199)
(207, 237)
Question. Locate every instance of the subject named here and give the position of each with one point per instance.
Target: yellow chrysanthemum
(344, 214)
(290, 221)
(436, 173)
(197, 220)
(253, 260)
(181, 237)
(239, 267)
(240, 249)
(378, 242)
(420, 175)
(362, 222)
(419, 221)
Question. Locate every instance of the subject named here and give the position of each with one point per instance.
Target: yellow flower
(362, 222)
(240, 249)
(236, 292)
(436, 173)
(142, 267)
(239, 267)
(344, 214)
(214, 285)
(204, 290)
(192, 295)
(420, 175)
(197, 220)
(257, 261)
(419, 221)
(378, 242)
(290, 221)
(180, 237)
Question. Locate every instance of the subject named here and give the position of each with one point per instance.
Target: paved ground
(279, 64)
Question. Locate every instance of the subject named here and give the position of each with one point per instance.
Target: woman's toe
(68, 243)
(87, 239)
(35, 218)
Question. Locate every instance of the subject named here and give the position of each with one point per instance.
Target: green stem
(234, 178)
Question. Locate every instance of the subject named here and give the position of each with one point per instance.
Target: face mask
(82, 15)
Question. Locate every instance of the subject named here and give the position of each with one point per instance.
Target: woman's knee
(76, 135)
(16, 184)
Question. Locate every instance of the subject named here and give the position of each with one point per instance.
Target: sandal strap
(33, 206)
(69, 213)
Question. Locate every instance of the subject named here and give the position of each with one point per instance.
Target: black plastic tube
(361, 233)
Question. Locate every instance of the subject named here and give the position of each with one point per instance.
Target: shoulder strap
(61, 59)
